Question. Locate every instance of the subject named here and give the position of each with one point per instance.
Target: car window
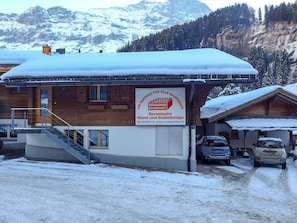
(269, 144)
(215, 142)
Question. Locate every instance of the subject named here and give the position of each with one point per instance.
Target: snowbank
(64, 192)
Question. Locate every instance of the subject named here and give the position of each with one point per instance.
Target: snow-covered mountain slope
(98, 29)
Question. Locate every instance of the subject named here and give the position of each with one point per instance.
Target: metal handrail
(39, 109)
(44, 123)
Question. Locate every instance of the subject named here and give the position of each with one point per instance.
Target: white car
(270, 151)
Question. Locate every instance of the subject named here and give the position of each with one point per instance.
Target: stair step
(70, 146)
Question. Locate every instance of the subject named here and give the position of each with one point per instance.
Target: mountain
(98, 29)
(269, 45)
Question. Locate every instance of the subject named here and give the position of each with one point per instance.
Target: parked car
(213, 148)
(270, 150)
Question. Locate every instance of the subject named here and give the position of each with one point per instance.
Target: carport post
(244, 141)
(12, 119)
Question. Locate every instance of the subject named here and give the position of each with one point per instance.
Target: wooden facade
(6, 67)
(72, 103)
(275, 107)
(9, 98)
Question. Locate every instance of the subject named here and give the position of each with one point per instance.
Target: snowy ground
(63, 192)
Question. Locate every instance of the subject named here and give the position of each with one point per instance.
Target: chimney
(46, 49)
(61, 51)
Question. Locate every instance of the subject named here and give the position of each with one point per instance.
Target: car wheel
(284, 166)
(256, 164)
(228, 162)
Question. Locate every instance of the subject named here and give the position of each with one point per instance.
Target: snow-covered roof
(212, 63)
(263, 124)
(292, 88)
(15, 57)
(219, 105)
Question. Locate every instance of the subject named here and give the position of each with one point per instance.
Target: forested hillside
(267, 43)
(199, 33)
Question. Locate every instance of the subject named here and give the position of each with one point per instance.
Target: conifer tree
(260, 14)
(268, 79)
(258, 58)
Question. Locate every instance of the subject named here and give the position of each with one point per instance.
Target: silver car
(270, 150)
(213, 148)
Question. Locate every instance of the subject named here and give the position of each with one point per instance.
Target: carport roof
(223, 106)
(263, 124)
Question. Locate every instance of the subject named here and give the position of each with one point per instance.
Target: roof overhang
(263, 124)
(139, 79)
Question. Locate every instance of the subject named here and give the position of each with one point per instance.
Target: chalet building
(242, 118)
(139, 108)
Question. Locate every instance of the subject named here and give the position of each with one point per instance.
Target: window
(234, 134)
(99, 138)
(98, 93)
(76, 135)
(269, 144)
(216, 142)
(44, 102)
(262, 134)
(17, 90)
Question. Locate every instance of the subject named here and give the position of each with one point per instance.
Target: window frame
(234, 134)
(100, 139)
(17, 90)
(99, 95)
(76, 135)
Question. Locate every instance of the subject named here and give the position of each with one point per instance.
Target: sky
(18, 6)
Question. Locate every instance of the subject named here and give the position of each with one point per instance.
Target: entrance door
(43, 99)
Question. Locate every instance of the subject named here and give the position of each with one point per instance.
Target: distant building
(242, 118)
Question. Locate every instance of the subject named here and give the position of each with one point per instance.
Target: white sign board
(160, 106)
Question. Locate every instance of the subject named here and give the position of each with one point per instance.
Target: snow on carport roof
(221, 104)
(263, 124)
(194, 61)
(292, 88)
